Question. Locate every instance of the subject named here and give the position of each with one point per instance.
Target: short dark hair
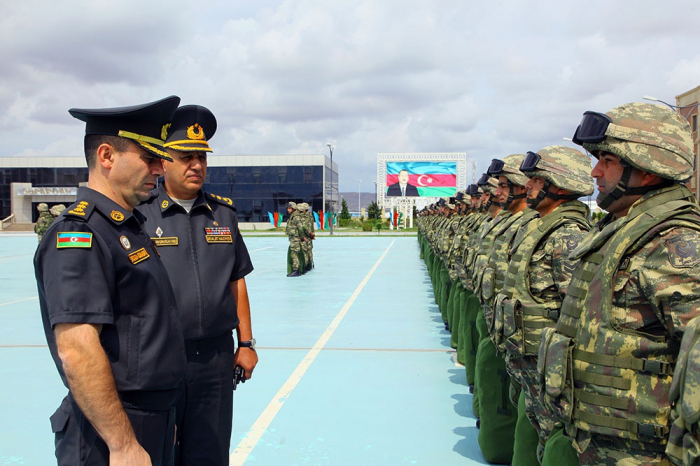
(93, 141)
(403, 170)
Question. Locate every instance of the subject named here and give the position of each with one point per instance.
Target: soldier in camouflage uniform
(492, 382)
(536, 282)
(475, 253)
(607, 368)
(307, 245)
(44, 221)
(684, 439)
(295, 231)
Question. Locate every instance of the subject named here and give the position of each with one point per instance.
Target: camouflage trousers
(523, 369)
(295, 249)
(610, 451)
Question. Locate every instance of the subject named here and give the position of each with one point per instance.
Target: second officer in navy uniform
(106, 304)
(199, 242)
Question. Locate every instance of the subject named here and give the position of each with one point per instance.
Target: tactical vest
(620, 377)
(519, 316)
(495, 272)
(682, 446)
(481, 258)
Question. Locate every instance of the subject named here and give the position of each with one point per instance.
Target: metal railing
(7, 222)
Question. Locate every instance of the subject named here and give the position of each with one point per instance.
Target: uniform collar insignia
(159, 232)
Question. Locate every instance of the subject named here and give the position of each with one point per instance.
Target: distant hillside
(351, 199)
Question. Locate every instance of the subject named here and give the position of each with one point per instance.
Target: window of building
(694, 122)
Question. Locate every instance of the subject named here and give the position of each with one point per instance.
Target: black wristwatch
(247, 344)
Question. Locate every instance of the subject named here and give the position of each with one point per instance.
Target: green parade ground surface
(355, 364)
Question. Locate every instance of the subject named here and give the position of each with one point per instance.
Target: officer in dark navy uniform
(199, 242)
(107, 306)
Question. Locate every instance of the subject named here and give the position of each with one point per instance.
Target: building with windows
(257, 184)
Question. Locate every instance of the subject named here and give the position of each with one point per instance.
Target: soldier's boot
(295, 273)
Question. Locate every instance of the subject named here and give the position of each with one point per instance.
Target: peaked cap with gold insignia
(191, 129)
(144, 124)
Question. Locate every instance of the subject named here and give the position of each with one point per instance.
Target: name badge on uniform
(139, 256)
(164, 241)
(218, 235)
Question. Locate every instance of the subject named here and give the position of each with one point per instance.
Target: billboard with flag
(421, 179)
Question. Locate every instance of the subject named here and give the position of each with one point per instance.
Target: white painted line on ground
(261, 249)
(258, 272)
(19, 301)
(245, 447)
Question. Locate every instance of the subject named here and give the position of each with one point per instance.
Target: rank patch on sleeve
(73, 240)
(683, 251)
(139, 256)
(218, 235)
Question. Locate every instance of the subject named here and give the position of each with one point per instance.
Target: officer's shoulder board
(81, 210)
(220, 200)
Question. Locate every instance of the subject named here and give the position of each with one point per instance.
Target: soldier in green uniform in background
(44, 221)
(296, 233)
(608, 366)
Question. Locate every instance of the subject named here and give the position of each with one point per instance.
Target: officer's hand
(247, 358)
(132, 455)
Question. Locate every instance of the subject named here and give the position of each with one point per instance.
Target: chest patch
(139, 255)
(218, 235)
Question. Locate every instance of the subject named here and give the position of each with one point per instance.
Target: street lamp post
(359, 206)
(675, 107)
(331, 147)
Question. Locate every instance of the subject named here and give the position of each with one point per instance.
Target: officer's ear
(105, 155)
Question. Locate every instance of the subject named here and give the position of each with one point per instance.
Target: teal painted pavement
(355, 365)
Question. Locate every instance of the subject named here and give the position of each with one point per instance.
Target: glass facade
(255, 191)
(39, 178)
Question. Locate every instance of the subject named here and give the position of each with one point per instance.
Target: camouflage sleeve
(559, 246)
(661, 282)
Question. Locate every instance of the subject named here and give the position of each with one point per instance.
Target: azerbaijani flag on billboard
(429, 179)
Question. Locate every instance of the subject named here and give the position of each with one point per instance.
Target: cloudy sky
(488, 78)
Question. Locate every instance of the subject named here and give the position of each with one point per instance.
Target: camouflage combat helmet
(57, 209)
(509, 167)
(303, 207)
(292, 205)
(650, 137)
(487, 183)
(43, 207)
(562, 167)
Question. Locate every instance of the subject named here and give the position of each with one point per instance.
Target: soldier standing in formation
(307, 244)
(610, 307)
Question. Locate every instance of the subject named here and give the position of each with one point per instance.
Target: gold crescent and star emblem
(195, 132)
(117, 216)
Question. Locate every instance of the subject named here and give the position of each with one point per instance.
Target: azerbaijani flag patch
(73, 240)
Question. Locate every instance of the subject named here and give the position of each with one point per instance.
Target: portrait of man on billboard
(421, 178)
(402, 188)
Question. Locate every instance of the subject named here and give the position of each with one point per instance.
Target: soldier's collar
(166, 202)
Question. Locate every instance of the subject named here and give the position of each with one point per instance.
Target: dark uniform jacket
(204, 250)
(96, 265)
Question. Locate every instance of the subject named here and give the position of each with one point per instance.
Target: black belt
(146, 400)
(193, 347)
